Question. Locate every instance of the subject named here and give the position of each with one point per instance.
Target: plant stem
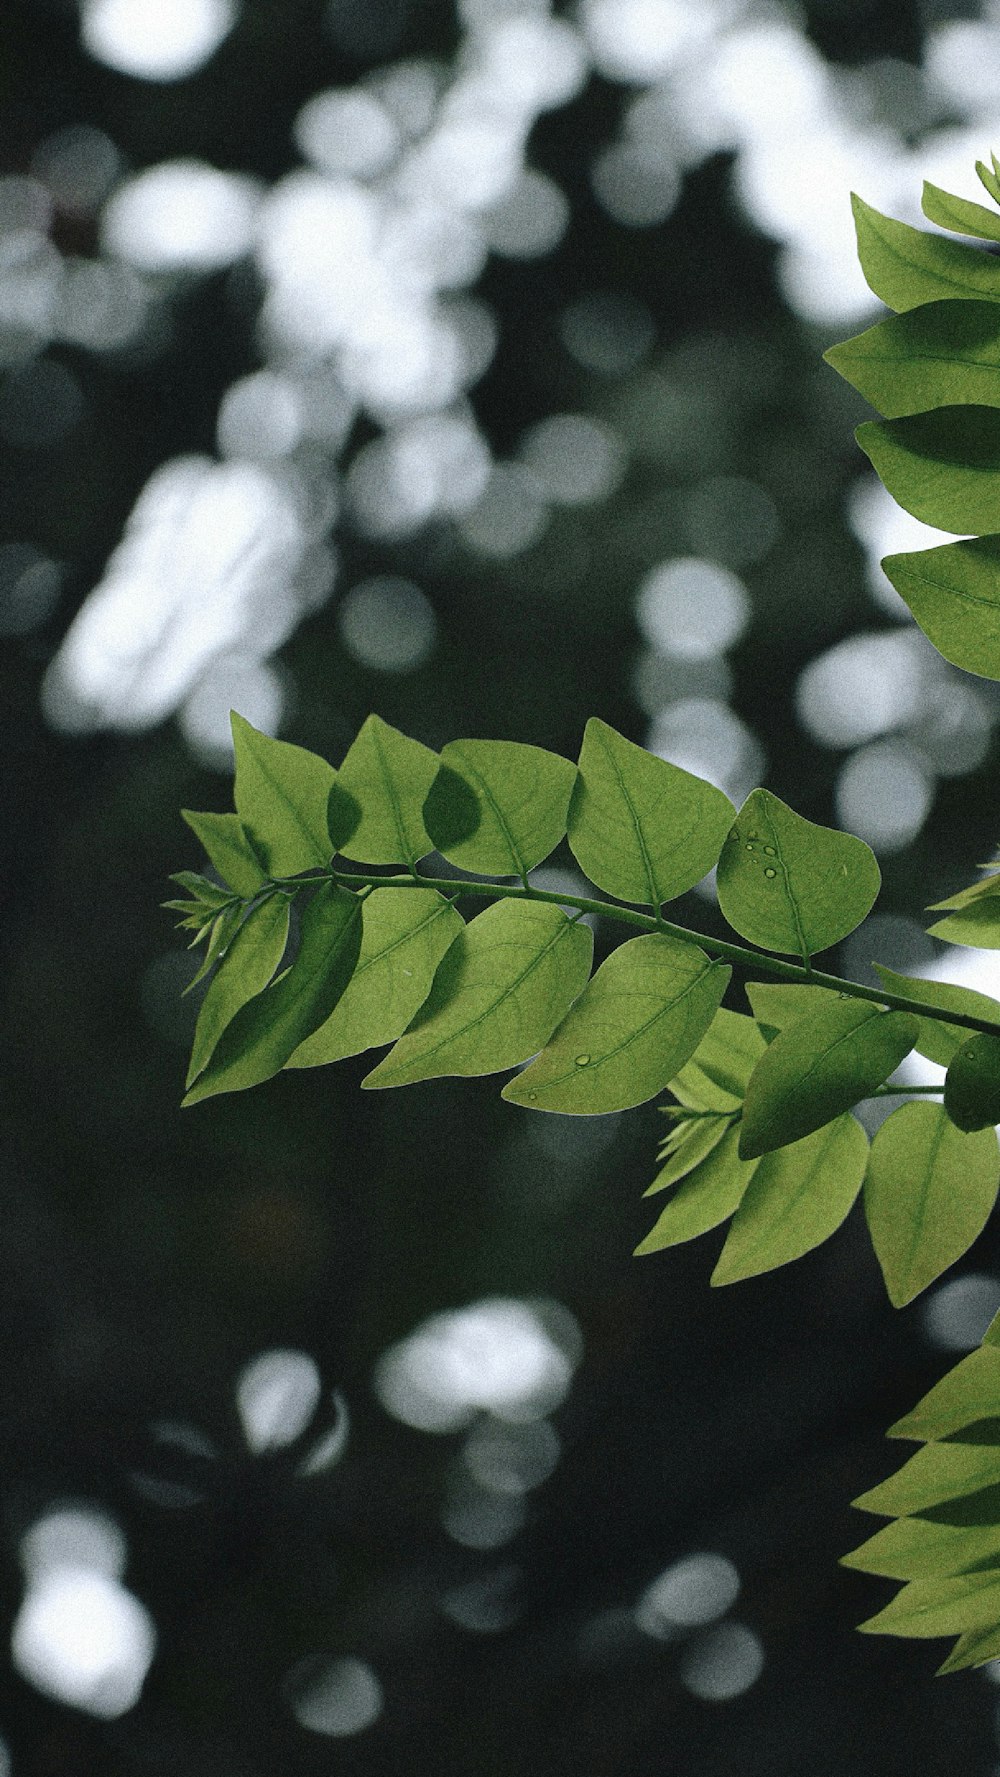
(720, 948)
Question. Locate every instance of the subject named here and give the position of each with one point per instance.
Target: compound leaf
(249, 964)
(521, 796)
(943, 466)
(939, 355)
(504, 984)
(224, 841)
(635, 1024)
(821, 1066)
(929, 1190)
(905, 267)
(403, 938)
(796, 1199)
(281, 794)
(380, 789)
(708, 1195)
(789, 885)
(640, 828)
(936, 1040)
(959, 214)
(269, 1028)
(953, 592)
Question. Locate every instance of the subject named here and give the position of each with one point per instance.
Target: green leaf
(958, 214)
(380, 791)
(927, 1608)
(706, 1197)
(989, 179)
(222, 932)
(942, 466)
(634, 1025)
(403, 938)
(986, 886)
(822, 1065)
(937, 1475)
(269, 1028)
(249, 964)
(923, 1549)
(939, 355)
(522, 798)
(977, 926)
(936, 1040)
(203, 890)
(905, 266)
(928, 1193)
(788, 885)
(694, 1140)
(224, 841)
(715, 1078)
(953, 592)
(968, 1392)
(973, 1649)
(777, 1005)
(796, 1199)
(281, 794)
(641, 829)
(972, 1084)
(503, 986)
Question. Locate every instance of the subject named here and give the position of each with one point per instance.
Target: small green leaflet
(269, 1028)
(281, 794)
(973, 1649)
(499, 807)
(818, 1068)
(641, 829)
(220, 935)
(929, 1191)
(715, 1078)
(636, 1023)
(938, 355)
(953, 592)
(936, 1040)
(959, 214)
(972, 1084)
(789, 885)
(776, 1005)
(965, 1394)
(249, 964)
(927, 1608)
(403, 938)
(987, 885)
(378, 795)
(942, 466)
(905, 267)
(924, 1549)
(503, 986)
(796, 1199)
(977, 926)
(226, 846)
(989, 179)
(707, 1196)
(694, 1140)
(938, 1475)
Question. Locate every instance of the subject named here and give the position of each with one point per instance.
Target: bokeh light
(151, 41)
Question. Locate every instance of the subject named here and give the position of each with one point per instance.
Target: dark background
(148, 1254)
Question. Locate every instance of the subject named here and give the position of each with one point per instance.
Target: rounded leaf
(789, 885)
(972, 1084)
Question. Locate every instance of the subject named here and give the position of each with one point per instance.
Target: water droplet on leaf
(769, 872)
(771, 851)
(582, 1060)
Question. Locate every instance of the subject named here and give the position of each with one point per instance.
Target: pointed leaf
(938, 1474)
(942, 466)
(697, 1139)
(989, 179)
(778, 1005)
(281, 794)
(986, 886)
(936, 1040)
(977, 926)
(789, 885)
(923, 1549)
(641, 829)
(972, 1084)
(715, 1078)
(967, 1393)
(796, 1199)
(708, 1196)
(634, 1025)
(929, 1191)
(927, 1608)
(249, 964)
(522, 795)
(953, 592)
(208, 893)
(381, 786)
(224, 841)
(939, 355)
(223, 930)
(973, 1649)
(503, 986)
(959, 214)
(905, 267)
(821, 1066)
(403, 938)
(270, 1027)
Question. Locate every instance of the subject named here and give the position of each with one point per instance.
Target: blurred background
(459, 360)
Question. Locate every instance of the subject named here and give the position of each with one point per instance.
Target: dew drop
(769, 872)
(751, 836)
(582, 1060)
(770, 851)
(749, 845)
